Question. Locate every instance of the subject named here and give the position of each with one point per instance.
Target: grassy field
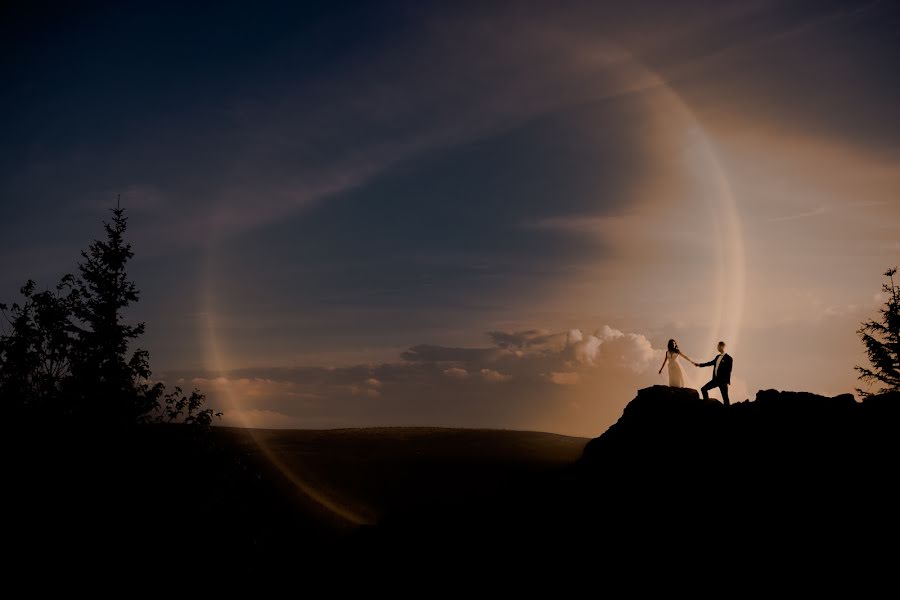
(375, 474)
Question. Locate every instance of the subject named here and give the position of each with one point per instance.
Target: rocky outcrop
(664, 424)
(811, 471)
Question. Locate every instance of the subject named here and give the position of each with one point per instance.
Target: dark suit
(721, 377)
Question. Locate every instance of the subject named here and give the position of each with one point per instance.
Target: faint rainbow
(728, 311)
(730, 259)
(217, 364)
(731, 273)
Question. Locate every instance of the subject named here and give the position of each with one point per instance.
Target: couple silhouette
(721, 365)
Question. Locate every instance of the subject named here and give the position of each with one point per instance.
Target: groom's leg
(705, 389)
(724, 390)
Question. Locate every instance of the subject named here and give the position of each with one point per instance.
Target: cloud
(584, 350)
(530, 351)
(456, 373)
(599, 226)
(432, 353)
(494, 376)
(610, 347)
(564, 378)
(627, 350)
(566, 381)
(358, 390)
(528, 338)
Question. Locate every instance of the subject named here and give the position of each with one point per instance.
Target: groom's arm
(707, 364)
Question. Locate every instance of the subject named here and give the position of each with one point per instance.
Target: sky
(463, 214)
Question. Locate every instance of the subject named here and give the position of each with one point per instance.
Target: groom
(721, 365)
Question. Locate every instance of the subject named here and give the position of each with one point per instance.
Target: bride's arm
(664, 363)
(687, 358)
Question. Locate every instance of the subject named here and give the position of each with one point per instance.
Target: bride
(676, 375)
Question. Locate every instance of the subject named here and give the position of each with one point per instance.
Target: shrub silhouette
(882, 341)
(65, 355)
(34, 355)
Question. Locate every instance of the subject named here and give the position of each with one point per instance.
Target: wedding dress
(676, 375)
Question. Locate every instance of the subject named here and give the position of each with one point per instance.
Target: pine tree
(68, 355)
(106, 381)
(882, 341)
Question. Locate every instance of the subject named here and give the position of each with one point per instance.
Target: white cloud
(584, 350)
(608, 346)
(632, 351)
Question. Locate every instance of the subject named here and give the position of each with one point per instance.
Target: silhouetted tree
(18, 356)
(882, 341)
(67, 354)
(82, 415)
(106, 381)
(35, 351)
(178, 408)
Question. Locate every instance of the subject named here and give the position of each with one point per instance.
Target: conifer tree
(106, 380)
(882, 341)
(69, 354)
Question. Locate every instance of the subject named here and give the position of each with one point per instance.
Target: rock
(658, 417)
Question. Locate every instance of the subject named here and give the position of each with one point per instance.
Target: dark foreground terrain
(374, 474)
(254, 502)
(790, 483)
